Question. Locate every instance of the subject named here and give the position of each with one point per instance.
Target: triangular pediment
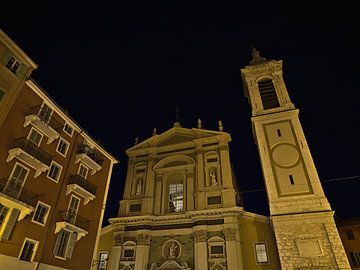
(175, 135)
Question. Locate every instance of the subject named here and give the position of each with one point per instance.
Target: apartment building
(54, 177)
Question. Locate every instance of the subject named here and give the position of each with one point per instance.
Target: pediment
(175, 139)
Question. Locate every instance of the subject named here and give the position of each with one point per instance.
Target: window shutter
(5, 57)
(57, 243)
(71, 245)
(22, 71)
(10, 224)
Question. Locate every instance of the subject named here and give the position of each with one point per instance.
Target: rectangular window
(35, 137)
(68, 129)
(16, 181)
(3, 212)
(279, 132)
(62, 147)
(28, 250)
(214, 200)
(128, 254)
(64, 244)
(45, 113)
(261, 253)
(268, 94)
(355, 259)
(54, 171)
(176, 198)
(135, 207)
(72, 209)
(103, 259)
(350, 235)
(41, 213)
(83, 171)
(217, 250)
(13, 65)
(291, 179)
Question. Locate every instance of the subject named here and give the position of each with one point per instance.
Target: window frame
(168, 197)
(59, 172)
(37, 131)
(11, 67)
(56, 255)
(4, 215)
(106, 261)
(41, 108)
(72, 129)
(266, 251)
(87, 170)
(35, 242)
(48, 207)
(67, 148)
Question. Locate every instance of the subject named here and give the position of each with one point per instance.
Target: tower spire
(256, 58)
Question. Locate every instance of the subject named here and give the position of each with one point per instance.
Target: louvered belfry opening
(268, 94)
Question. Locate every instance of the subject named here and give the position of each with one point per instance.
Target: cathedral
(181, 207)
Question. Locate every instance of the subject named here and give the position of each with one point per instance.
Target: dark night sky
(121, 70)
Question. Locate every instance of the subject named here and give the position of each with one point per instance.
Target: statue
(138, 188)
(172, 251)
(213, 179)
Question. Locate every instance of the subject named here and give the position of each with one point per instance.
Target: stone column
(228, 191)
(115, 255)
(200, 197)
(233, 258)
(190, 190)
(142, 251)
(158, 194)
(148, 200)
(200, 250)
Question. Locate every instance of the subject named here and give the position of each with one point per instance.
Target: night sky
(121, 70)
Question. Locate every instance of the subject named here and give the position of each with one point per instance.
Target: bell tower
(301, 215)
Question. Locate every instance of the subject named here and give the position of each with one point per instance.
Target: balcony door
(15, 183)
(73, 209)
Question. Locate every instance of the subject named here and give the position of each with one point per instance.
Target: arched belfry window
(268, 94)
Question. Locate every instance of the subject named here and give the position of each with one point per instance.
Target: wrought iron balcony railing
(79, 180)
(90, 152)
(73, 218)
(15, 190)
(33, 150)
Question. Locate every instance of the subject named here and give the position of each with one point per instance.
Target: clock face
(285, 155)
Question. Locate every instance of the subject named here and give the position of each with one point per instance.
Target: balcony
(30, 154)
(71, 221)
(90, 157)
(43, 122)
(14, 195)
(82, 187)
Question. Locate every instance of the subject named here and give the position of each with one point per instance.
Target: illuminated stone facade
(301, 216)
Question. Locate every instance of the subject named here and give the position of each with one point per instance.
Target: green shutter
(71, 245)
(57, 243)
(10, 224)
(5, 57)
(22, 71)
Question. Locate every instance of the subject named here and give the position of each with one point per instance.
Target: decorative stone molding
(200, 236)
(171, 249)
(118, 238)
(230, 234)
(143, 239)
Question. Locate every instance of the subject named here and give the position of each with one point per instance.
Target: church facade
(181, 207)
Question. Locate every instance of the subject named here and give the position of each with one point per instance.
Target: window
(72, 209)
(268, 94)
(261, 253)
(35, 137)
(68, 129)
(128, 251)
(28, 250)
(41, 213)
(64, 244)
(291, 179)
(55, 171)
(176, 197)
(83, 171)
(62, 147)
(350, 235)
(216, 247)
(16, 181)
(217, 250)
(2, 93)
(103, 259)
(3, 211)
(45, 113)
(355, 259)
(13, 65)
